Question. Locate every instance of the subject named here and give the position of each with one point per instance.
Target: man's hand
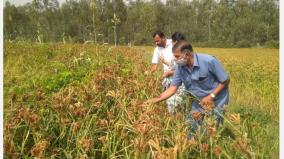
(154, 67)
(147, 103)
(207, 103)
(168, 74)
(146, 72)
(165, 95)
(162, 60)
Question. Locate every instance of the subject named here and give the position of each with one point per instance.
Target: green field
(82, 101)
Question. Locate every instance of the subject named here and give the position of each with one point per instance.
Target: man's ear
(186, 52)
(189, 54)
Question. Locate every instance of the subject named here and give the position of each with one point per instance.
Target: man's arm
(155, 62)
(221, 86)
(165, 95)
(153, 68)
(162, 60)
(218, 70)
(208, 100)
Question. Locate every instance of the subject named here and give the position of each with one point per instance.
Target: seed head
(39, 148)
(217, 151)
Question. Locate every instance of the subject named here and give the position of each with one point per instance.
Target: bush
(54, 83)
(272, 44)
(213, 44)
(243, 43)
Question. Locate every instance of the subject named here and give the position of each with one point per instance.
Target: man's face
(178, 55)
(161, 42)
(182, 59)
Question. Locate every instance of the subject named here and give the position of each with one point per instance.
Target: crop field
(84, 101)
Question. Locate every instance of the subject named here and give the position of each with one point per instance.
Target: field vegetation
(83, 101)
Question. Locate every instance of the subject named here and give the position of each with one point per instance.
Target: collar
(168, 42)
(196, 61)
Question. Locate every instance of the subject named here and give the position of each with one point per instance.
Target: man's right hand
(168, 74)
(162, 60)
(165, 95)
(147, 73)
(147, 103)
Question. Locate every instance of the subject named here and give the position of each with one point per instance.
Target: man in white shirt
(163, 54)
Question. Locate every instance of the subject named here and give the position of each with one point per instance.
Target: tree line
(216, 23)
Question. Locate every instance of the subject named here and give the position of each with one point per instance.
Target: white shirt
(165, 52)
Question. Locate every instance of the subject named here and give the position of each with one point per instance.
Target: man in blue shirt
(204, 77)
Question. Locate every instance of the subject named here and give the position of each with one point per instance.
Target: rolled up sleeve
(217, 69)
(176, 80)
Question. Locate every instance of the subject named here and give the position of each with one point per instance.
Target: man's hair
(178, 36)
(183, 46)
(159, 33)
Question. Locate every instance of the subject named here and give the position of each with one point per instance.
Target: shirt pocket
(187, 82)
(203, 81)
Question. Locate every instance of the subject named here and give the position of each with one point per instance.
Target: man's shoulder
(169, 41)
(156, 49)
(205, 57)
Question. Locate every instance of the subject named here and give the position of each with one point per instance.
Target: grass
(82, 101)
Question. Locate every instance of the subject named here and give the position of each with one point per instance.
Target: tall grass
(83, 101)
